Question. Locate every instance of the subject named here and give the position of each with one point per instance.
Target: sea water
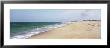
(23, 30)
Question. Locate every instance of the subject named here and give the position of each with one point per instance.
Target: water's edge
(34, 31)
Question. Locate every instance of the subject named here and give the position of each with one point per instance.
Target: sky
(53, 15)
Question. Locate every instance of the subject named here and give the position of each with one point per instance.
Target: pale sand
(77, 30)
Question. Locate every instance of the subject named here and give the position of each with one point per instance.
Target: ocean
(23, 30)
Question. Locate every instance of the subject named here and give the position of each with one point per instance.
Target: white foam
(38, 30)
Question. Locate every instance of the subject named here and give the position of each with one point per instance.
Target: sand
(76, 30)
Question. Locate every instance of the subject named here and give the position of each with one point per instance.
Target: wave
(36, 31)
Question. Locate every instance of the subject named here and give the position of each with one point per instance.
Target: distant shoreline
(86, 29)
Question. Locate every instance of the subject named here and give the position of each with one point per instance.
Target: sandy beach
(76, 30)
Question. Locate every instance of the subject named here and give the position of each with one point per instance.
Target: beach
(73, 30)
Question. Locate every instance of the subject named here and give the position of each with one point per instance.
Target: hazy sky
(53, 15)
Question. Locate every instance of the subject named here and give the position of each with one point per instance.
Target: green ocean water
(19, 28)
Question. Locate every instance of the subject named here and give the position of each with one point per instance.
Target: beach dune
(75, 30)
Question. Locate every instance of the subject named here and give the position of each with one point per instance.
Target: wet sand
(76, 30)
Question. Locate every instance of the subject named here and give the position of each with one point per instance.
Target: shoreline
(73, 30)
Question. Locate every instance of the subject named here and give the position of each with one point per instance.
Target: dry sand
(77, 30)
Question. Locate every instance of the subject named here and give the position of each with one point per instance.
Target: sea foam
(36, 31)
